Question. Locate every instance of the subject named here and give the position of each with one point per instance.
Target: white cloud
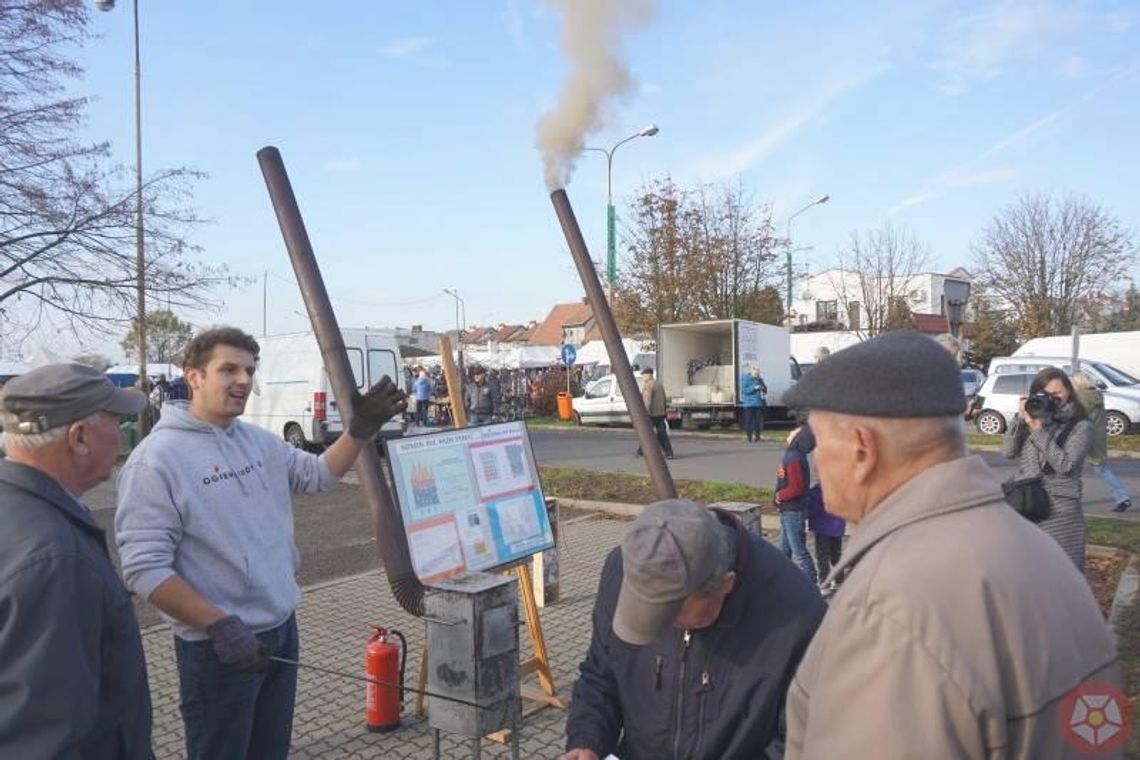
(968, 174)
(965, 177)
(978, 47)
(650, 88)
(406, 47)
(767, 141)
(1074, 67)
(343, 164)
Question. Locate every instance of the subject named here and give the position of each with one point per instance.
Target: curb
(631, 511)
(1126, 593)
(988, 447)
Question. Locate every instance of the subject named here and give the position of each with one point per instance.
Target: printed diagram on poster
(470, 499)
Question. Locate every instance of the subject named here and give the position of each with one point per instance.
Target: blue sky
(408, 130)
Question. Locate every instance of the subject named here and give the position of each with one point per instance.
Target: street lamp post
(816, 202)
(611, 216)
(140, 251)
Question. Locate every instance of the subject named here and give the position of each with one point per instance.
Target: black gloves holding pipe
(236, 646)
(370, 411)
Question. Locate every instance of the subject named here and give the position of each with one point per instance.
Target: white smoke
(591, 39)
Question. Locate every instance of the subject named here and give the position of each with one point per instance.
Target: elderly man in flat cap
(72, 675)
(959, 629)
(698, 626)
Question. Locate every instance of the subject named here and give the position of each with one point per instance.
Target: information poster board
(470, 499)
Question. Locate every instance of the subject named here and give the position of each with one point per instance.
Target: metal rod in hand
(369, 679)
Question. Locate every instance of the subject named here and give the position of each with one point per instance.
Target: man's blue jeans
(1119, 492)
(238, 715)
(793, 540)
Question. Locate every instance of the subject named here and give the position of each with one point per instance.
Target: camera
(1040, 406)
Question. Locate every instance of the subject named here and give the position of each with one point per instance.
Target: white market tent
(595, 352)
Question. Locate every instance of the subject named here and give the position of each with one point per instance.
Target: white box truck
(701, 363)
(294, 398)
(1119, 349)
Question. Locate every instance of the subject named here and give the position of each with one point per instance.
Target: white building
(844, 297)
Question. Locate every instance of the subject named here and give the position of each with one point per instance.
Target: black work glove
(381, 403)
(237, 646)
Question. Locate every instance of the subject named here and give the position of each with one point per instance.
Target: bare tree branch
(1048, 257)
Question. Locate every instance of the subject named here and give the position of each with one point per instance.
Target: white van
(294, 398)
(601, 404)
(1105, 374)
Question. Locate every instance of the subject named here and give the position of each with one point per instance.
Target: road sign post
(569, 355)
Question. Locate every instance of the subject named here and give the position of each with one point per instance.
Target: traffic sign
(568, 354)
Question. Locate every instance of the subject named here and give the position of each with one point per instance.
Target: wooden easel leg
(534, 625)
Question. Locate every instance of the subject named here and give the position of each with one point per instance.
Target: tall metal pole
(788, 238)
(611, 215)
(264, 301)
(140, 253)
(611, 223)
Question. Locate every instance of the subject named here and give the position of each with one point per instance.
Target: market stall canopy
(127, 375)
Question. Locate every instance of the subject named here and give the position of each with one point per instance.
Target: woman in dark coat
(1054, 445)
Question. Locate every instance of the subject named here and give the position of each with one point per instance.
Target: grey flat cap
(670, 551)
(898, 374)
(58, 394)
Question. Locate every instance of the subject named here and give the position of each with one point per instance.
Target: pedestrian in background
(752, 393)
(481, 398)
(73, 678)
(1093, 401)
(828, 530)
(653, 393)
(1053, 444)
(792, 481)
(422, 389)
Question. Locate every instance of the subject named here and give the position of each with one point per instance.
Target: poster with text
(470, 499)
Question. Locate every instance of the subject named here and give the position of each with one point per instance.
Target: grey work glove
(237, 646)
(370, 411)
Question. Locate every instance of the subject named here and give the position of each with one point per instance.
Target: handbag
(1028, 495)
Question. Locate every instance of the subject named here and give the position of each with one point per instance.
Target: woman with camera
(1050, 438)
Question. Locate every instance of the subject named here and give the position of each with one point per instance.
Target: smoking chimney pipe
(386, 523)
(619, 362)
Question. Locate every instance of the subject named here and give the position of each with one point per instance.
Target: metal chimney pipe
(619, 362)
(386, 523)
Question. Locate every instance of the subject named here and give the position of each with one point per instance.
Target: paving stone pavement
(335, 619)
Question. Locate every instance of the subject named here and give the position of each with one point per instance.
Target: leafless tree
(67, 222)
(1046, 256)
(693, 254)
(876, 275)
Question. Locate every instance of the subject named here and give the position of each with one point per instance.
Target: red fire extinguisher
(384, 661)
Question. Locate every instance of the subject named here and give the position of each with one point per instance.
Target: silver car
(1000, 398)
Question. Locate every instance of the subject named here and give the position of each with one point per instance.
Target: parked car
(1000, 398)
(972, 380)
(601, 404)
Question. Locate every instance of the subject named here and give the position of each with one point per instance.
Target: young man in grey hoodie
(205, 533)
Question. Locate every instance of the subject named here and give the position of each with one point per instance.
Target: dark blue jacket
(794, 476)
(72, 674)
(719, 697)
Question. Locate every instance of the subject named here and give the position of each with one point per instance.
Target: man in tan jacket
(959, 629)
(653, 393)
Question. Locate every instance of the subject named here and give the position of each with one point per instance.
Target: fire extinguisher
(384, 661)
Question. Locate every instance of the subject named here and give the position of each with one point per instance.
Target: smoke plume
(591, 39)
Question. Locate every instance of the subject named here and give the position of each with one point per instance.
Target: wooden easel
(539, 664)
